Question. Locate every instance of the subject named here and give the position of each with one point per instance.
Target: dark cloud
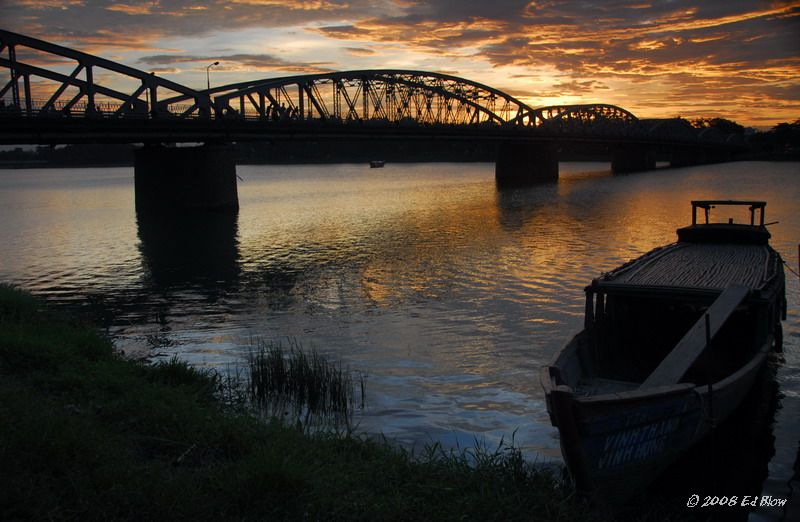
(257, 62)
(582, 89)
(78, 21)
(165, 70)
(359, 51)
(161, 59)
(344, 31)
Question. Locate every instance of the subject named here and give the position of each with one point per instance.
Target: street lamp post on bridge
(208, 77)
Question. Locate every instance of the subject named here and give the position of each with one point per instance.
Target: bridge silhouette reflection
(518, 206)
(199, 248)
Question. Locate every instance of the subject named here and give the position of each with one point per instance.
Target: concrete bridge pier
(525, 163)
(185, 178)
(632, 158)
(687, 157)
(718, 155)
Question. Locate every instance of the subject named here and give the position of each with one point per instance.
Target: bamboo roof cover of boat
(707, 257)
(701, 266)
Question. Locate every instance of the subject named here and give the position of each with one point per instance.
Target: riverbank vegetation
(303, 387)
(88, 435)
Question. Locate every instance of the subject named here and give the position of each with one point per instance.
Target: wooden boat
(671, 344)
(377, 164)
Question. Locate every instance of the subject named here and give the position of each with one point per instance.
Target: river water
(448, 293)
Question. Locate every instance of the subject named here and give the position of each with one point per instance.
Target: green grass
(303, 386)
(88, 435)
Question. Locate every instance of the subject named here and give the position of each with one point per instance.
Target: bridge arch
(399, 96)
(582, 118)
(387, 95)
(586, 113)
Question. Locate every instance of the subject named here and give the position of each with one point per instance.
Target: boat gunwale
(547, 380)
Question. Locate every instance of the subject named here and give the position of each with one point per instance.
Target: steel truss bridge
(54, 94)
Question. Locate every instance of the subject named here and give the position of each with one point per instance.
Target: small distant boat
(377, 164)
(672, 343)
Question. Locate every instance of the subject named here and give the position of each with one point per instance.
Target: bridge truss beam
(59, 81)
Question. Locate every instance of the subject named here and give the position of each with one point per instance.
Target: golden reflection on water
(64, 230)
(448, 292)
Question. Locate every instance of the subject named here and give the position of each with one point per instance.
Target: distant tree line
(723, 125)
(780, 142)
(69, 155)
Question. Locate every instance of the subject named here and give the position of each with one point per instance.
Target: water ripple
(448, 293)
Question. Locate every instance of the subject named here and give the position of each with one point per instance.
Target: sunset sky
(737, 59)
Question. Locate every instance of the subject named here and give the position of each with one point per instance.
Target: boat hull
(616, 444)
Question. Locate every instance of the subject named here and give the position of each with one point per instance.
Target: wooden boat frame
(619, 435)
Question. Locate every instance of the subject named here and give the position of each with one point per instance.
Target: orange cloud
(298, 5)
(144, 8)
(49, 4)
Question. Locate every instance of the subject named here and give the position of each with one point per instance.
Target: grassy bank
(88, 435)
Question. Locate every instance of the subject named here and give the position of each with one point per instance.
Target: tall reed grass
(303, 386)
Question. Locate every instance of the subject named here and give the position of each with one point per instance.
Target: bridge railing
(59, 109)
(82, 109)
(575, 128)
(664, 131)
